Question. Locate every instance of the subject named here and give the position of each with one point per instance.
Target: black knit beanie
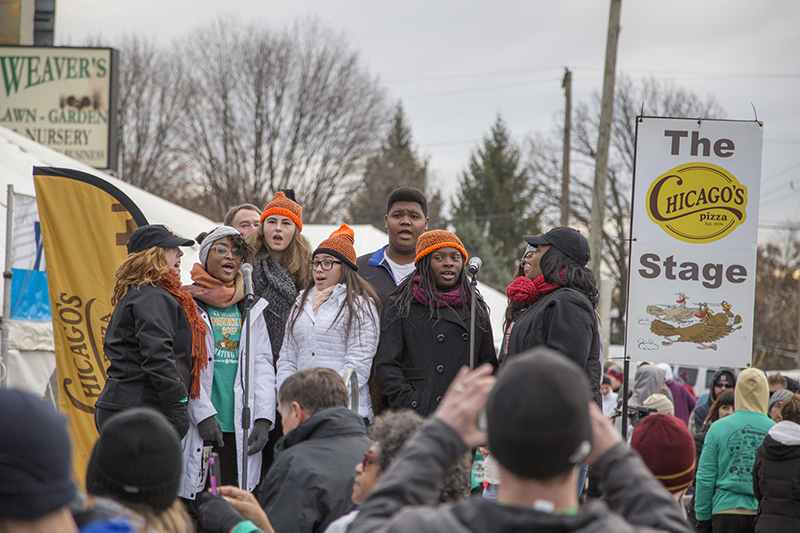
(538, 415)
(35, 457)
(137, 459)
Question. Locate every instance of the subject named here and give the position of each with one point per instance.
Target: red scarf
(452, 298)
(172, 283)
(526, 291)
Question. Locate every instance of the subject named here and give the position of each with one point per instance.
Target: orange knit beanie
(340, 244)
(438, 238)
(281, 205)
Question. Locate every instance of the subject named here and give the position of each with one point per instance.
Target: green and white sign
(63, 98)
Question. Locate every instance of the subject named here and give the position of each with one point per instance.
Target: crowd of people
(213, 421)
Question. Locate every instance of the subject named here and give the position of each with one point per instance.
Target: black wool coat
(148, 343)
(776, 484)
(419, 356)
(565, 321)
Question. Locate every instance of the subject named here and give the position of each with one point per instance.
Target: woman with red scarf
(560, 297)
(425, 327)
(155, 340)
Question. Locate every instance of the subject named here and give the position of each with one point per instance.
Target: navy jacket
(378, 274)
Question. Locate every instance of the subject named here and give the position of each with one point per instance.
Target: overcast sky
(457, 64)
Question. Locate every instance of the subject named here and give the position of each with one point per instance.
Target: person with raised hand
(541, 422)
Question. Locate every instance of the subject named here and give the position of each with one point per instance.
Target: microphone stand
(473, 285)
(248, 303)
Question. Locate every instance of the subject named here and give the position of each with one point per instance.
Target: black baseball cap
(155, 235)
(568, 241)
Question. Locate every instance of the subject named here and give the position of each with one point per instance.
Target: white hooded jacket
(318, 341)
(261, 400)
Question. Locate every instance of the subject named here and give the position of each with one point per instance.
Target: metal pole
(604, 139)
(567, 85)
(7, 273)
(246, 403)
(472, 286)
(626, 367)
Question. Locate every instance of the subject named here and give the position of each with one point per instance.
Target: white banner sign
(694, 229)
(63, 98)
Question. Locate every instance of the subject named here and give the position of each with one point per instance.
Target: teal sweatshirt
(725, 472)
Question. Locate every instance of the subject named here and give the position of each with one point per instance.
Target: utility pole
(604, 139)
(567, 85)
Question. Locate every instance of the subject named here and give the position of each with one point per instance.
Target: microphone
(247, 273)
(474, 265)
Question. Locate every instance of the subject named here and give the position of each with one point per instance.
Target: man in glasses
(310, 484)
(722, 380)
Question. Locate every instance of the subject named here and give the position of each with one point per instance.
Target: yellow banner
(85, 223)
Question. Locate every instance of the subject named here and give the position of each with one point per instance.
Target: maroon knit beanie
(667, 448)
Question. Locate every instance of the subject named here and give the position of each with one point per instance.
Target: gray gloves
(258, 437)
(210, 431)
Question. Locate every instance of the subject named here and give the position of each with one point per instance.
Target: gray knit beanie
(779, 395)
(218, 233)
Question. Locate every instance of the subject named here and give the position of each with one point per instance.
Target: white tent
(31, 360)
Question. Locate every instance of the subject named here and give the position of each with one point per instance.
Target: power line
(478, 89)
(697, 74)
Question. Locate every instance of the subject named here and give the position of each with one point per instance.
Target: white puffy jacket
(314, 340)
(261, 400)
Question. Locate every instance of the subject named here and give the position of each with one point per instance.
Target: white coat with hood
(316, 340)
(261, 400)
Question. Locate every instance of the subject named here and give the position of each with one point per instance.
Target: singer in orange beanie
(335, 321)
(425, 327)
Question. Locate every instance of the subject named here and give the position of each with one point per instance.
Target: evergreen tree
(396, 165)
(496, 196)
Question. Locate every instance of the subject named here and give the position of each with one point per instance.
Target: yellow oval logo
(697, 202)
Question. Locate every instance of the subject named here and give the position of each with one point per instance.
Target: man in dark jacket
(541, 425)
(311, 481)
(406, 219)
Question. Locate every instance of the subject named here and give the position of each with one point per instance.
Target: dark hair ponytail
(561, 270)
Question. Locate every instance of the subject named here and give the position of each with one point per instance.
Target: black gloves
(258, 437)
(179, 418)
(210, 431)
(216, 514)
(704, 526)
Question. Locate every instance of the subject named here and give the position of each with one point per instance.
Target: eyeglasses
(369, 459)
(326, 264)
(224, 250)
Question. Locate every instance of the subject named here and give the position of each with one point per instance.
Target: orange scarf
(172, 282)
(212, 291)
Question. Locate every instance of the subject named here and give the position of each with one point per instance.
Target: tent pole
(7, 286)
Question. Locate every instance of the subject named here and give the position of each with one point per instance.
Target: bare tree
(775, 330)
(654, 98)
(275, 109)
(149, 116)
